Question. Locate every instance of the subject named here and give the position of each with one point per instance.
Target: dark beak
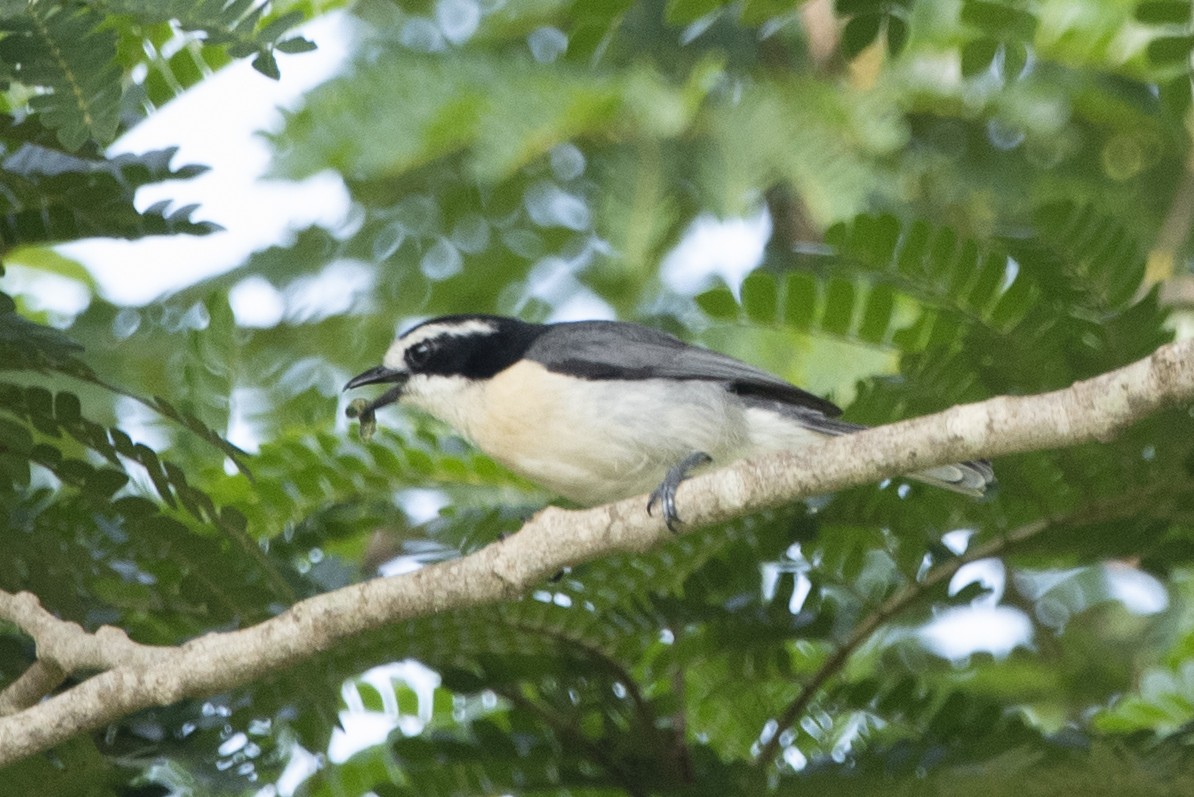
(377, 376)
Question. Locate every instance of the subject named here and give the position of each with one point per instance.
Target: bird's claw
(665, 493)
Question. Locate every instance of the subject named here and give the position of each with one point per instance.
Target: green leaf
(103, 482)
(1015, 60)
(839, 308)
(760, 12)
(801, 302)
(67, 408)
(25, 345)
(1176, 96)
(718, 303)
(859, 32)
(682, 12)
(14, 438)
(1163, 12)
(759, 297)
(1170, 49)
(133, 506)
(877, 316)
(294, 45)
(999, 20)
(266, 64)
(977, 56)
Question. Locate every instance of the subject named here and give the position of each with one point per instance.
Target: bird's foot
(665, 493)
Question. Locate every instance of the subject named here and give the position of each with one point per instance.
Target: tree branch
(39, 680)
(899, 601)
(910, 594)
(135, 677)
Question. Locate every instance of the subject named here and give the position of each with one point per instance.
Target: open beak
(377, 376)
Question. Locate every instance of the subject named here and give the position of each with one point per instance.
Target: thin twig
(564, 729)
(623, 675)
(911, 593)
(871, 623)
(682, 756)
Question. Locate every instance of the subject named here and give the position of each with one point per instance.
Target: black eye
(418, 354)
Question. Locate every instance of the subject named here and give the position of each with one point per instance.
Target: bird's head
(447, 354)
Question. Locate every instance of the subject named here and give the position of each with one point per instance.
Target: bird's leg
(665, 493)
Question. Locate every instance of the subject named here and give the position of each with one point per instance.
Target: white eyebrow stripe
(456, 329)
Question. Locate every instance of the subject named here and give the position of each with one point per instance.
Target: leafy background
(965, 198)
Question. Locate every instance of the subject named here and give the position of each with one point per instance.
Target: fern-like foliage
(74, 57)
(240, 28)
(64, 48)
(50, 196)
(867, 19)
(25, 345)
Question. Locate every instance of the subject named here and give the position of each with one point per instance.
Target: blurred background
(212, 214)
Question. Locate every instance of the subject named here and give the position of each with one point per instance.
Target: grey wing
(616, 350)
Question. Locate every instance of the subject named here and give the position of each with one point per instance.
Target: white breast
(594, 441)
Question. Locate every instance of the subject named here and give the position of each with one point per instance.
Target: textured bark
(129, 677)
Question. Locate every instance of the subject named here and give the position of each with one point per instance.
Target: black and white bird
(597, 411)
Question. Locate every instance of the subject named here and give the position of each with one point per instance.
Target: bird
(597, 411)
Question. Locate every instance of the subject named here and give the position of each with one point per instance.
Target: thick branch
(140, 677)
(42, 677)
(66, 645)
